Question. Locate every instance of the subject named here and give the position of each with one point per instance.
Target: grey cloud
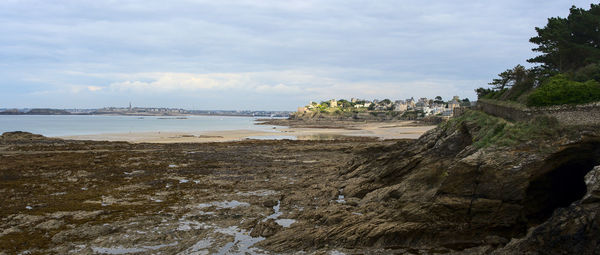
(457, 45)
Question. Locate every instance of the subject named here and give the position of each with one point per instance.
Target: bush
(560, 90)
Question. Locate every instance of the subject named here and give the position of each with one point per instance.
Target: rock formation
(474, 185)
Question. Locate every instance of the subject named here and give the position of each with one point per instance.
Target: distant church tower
(129, 106)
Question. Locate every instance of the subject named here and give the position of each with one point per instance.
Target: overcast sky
(257, 55)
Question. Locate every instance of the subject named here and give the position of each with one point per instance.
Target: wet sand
(382, 130)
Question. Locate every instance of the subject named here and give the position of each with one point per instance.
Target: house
(410, 103)
(333, 103)
(447, 113)
(400, 106)
(453, 104)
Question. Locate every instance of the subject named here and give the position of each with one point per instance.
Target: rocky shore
(338, 124)
(477, 184)
(87, 197)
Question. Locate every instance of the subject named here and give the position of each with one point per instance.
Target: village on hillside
(420, 108)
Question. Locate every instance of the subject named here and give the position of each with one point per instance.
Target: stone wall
(586, 114)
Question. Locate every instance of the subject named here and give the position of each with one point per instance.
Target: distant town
(142, 111)
(421, 107)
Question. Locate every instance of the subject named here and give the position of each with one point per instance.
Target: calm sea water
(64, 125)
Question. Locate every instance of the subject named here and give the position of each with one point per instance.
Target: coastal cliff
(475, 185)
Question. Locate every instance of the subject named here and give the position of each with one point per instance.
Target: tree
(438, 100)
(567, 44)
(385, 102)
(482, 92)
(343, 103)
(510, 77)
(465, 102)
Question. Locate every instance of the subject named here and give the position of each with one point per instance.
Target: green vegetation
(560, 90)
(511, 104)
(490, 130)
(569, 63)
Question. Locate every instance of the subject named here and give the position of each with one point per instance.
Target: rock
(50, 224)
(9, 231)
(451, 190)
(87, 215)
(265, 228)
(353, 201)
(20, 135)
(571, 230)
(85, 231)
(592, 181)
(269, 203)
(495, 240)
(23, 220)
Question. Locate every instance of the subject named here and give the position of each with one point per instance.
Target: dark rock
(269, 203)
(265, 228)
(446, 191)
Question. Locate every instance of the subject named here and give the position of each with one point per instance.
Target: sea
(68, 125)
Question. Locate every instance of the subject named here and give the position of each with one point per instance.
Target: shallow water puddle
(286, 223)
(156, 200)
(242, 242)
(199, 248)
(187, 225)
(341, 199)
(223, 204)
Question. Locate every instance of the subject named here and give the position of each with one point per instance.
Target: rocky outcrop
(20, 135)
(571, 230)
(470, 185)
(356, 116)
(36, 111)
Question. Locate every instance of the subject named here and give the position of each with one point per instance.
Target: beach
(382, 130)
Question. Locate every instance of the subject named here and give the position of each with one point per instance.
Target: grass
(488, 130)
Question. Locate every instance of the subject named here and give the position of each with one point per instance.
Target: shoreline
(381, 130)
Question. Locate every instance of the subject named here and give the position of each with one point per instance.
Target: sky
(258, 55)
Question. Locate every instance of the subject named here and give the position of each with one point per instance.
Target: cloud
(178, 82)
(251, 50)
(94, 88)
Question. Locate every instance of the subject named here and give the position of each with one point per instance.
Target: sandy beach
(382, 130)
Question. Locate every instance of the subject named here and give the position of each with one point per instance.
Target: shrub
(560, 90)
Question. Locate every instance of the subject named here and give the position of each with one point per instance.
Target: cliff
(475, 185)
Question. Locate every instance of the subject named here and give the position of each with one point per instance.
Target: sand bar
(384, 130)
